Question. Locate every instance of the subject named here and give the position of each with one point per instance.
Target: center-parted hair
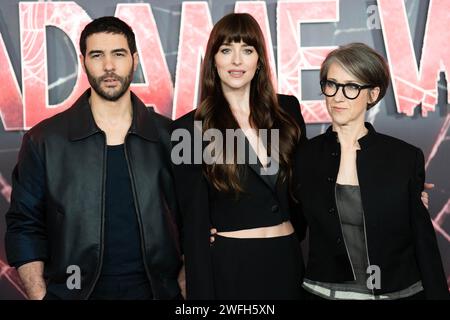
(363, 62)
(265, 113)
(108, 24)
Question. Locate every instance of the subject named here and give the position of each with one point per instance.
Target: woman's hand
(425, 197)
(213, 233)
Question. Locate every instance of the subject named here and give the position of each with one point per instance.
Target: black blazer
(193, 193)
(400, 235)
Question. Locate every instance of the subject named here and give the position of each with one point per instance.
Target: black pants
(257, 268)
(130, 287)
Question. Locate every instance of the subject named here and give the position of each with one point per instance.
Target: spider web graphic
(11, 276)
(443, 214)
(32, 67)
(294, 58)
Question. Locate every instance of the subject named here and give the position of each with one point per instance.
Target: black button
(275, 208)
(338, 240)
(330, 179)
(334, 154)
(331, 210)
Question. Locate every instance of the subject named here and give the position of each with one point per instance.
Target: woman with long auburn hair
(255, 251)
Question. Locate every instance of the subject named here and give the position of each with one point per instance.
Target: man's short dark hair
(108, 25)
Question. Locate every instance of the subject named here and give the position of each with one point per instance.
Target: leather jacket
(57, 209)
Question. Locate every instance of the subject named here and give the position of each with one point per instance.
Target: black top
(123, 254)
(226, 213)
(351, 213)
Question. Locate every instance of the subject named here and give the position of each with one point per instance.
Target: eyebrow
(94, 52)
(123, 50)
(119, 50)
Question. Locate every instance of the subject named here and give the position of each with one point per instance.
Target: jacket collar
(364, 142)
(82, 124)
(270, 180)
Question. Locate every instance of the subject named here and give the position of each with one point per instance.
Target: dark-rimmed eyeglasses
(351, 90)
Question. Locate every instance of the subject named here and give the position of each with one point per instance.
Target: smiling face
(236, 65)
(344, 111)
(109, 64)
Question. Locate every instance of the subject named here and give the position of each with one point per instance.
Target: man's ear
(136, 60)
(82, 61)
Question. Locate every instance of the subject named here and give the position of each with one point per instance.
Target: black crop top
(264, 203)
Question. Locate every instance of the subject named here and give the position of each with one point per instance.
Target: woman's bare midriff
(282, 229)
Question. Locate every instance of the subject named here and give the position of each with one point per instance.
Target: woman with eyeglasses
(370, 236)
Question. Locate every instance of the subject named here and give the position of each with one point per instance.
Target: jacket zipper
(136, 204)
(102, 232)
(343, 236)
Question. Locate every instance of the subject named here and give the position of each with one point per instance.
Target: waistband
(329, 293)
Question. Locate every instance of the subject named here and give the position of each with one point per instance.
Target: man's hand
(31, 275)
(182, 280)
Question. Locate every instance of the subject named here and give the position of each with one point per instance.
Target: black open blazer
(193, 193)
(400, 236)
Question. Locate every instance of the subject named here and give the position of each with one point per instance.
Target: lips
(338, 109)
(110, 81)
(236, 73)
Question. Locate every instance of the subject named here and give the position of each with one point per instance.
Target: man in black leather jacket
(93, 213)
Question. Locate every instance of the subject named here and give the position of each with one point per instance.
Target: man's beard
(115, 94)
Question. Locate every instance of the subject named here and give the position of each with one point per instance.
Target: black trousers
(129, 287)
(257, 268)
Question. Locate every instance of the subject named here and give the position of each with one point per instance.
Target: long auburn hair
(265, 113)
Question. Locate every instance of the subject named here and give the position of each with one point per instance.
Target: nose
(237, 58)
(339, 96)
(108, 64)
